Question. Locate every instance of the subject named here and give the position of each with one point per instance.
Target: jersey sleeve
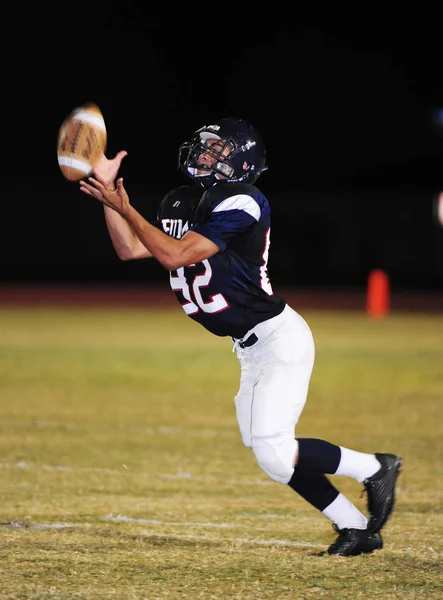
(232, 216)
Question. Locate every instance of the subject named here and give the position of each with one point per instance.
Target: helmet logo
(247, 146)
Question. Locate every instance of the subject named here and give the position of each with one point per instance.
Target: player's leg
(272, 439)
(278, 401)
(313, 487)
(354, 538)
(378, 472)
(273, 390)
(285, 366)
(283, 358)
(244, 397)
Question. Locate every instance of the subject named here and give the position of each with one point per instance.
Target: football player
(213, 236)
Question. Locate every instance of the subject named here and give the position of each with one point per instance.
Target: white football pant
(274, 382)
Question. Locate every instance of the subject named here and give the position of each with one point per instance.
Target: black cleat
(352, 542)
(381, 490)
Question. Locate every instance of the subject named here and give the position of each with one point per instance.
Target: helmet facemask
(220, 151)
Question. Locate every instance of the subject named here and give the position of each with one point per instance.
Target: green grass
(123, 474)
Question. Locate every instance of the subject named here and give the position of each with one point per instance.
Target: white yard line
(124, 519)
(254, 542)
(156, 534)
(179, 474)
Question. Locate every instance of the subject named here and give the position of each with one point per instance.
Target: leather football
(81, 141)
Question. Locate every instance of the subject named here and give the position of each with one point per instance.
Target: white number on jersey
(194, 300)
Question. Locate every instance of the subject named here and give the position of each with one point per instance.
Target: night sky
(348, 116)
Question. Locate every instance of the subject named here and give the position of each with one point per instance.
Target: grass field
(123, 474)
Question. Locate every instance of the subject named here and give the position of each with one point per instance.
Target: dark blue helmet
(240, 155)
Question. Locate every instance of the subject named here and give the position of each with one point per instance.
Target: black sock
(318, 455)
(314, 487)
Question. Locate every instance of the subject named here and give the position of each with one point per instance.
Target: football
(81, 141)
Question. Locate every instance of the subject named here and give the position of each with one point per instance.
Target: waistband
(261, 330)
(248, 342)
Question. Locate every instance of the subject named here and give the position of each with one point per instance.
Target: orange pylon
(378, 294)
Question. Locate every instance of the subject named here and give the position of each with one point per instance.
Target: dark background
(347, 113)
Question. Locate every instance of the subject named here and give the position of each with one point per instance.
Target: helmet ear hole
(245, 166)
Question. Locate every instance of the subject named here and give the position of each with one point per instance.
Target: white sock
(357, 465)
(344, 514)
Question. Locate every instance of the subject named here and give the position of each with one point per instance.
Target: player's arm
(125, 242)
(170, 252)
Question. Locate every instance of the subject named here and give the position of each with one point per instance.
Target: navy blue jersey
(230, 292)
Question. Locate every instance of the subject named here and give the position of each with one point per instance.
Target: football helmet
(239, 157)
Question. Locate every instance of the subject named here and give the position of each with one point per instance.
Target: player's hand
(106, 169)
(116, 199)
